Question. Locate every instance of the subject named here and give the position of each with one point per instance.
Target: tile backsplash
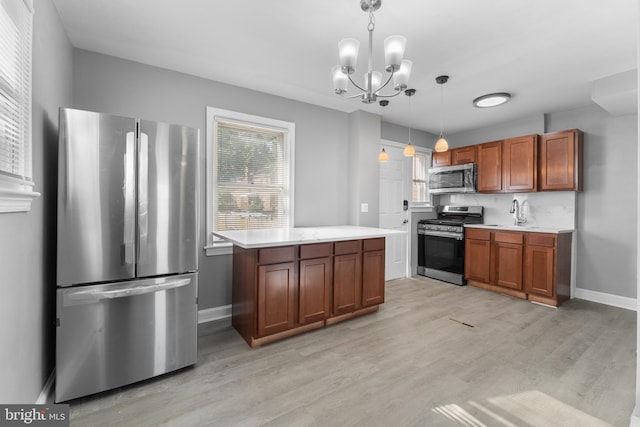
(543, 209)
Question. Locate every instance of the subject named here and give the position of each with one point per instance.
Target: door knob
(405, 221)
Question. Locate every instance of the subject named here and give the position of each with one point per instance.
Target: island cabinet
(283, 291)
(561, 161)
(489, 157)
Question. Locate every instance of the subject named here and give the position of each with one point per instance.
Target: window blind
(15, 90)
(251, 177)
(420, 192)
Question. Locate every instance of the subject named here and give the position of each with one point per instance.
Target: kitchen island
(290, 281)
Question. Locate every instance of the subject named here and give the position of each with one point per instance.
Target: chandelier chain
(372, 22)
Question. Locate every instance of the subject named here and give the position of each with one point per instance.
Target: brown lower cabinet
(283, 291)
(527, 265)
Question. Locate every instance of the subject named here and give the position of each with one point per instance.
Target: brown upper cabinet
(455, 156)
(442, 158)
(520, 170)
(463, 155)
(561, 155)
(490, 167)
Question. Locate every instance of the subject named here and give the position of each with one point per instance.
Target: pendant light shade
(383, 156)
(409, 151)
(441, 143)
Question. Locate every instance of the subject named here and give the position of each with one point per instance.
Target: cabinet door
(441, 159)
(314, 290)
(561, 161)
(520, 163)
(490, 167)
(508, 265)
(372, 278)
(477, 260)
(540, 270)
(463, 155)
(276, 299)
(347, 283)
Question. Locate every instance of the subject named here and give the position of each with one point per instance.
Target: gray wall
(322, 148)
(606, 213)
(27, 246)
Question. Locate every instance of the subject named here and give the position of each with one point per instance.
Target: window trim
(16, 193)
(213, 114)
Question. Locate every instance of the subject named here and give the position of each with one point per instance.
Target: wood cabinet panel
(561, 161)
(276, 298)
(314, 289)
(478, 233)
(540, 270)
(347, 247)
(316, 250)
(490, 167)
(372, 277)
(442, 158)
(508, 237)
(463, 155)
(521, 163)
(508, 265)
(276, 255)
(373, 244)
(477, 260)
(347, 283)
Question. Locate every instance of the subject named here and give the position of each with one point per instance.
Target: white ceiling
(547, 53)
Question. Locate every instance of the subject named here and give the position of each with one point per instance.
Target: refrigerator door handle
(97, 295)
(143, 196)
(129, 198)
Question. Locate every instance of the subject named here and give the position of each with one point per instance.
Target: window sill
(218, 249)
(16, 200)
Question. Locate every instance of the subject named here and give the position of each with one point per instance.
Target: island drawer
(347, 247)
(373, 244)
(315, 250)
(276, 255)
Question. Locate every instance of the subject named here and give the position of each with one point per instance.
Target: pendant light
(383, 156)
(409, 151)
(441, 143)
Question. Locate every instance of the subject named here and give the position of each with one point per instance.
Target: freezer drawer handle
(121, 293)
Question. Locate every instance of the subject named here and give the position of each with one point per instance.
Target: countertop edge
(252, 239)
(528, 229)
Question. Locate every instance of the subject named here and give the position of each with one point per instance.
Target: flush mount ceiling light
(399, 69)
(441, 143)
(491, 100)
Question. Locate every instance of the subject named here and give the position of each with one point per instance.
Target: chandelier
(398, 69)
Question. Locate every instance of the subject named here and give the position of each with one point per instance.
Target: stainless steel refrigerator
(127, 251)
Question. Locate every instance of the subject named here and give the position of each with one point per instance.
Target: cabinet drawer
(541, 239)
(276, 255)
(477, 233)
(508, 237)
(373, 244)
(348, 247)
(315, 250)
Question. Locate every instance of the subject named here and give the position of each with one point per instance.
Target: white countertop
(295, 236)
(527, 228)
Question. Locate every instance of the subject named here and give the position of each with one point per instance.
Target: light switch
(364, 207)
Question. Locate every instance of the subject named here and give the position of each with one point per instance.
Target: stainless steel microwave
(453, 179)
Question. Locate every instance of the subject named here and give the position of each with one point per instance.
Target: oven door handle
(446, 234)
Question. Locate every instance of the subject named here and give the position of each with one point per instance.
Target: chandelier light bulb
(340, 80)
(348, 53)
(401, 77)
(394, 51)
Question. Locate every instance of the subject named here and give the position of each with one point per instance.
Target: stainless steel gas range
(441, 242)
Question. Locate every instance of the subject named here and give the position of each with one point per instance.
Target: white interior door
(394, 190)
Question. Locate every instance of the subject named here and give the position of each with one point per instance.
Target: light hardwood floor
(413, 363)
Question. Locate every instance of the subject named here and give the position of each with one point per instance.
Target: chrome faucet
(518, 218)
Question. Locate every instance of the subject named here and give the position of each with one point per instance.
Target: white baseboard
(46, 395)
(608, 299)
(635, 421)
(215, 313)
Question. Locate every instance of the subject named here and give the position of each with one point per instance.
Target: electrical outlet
(364, 207)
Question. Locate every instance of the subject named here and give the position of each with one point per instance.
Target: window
(249, 173)
(15, 106)
(419, 179)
